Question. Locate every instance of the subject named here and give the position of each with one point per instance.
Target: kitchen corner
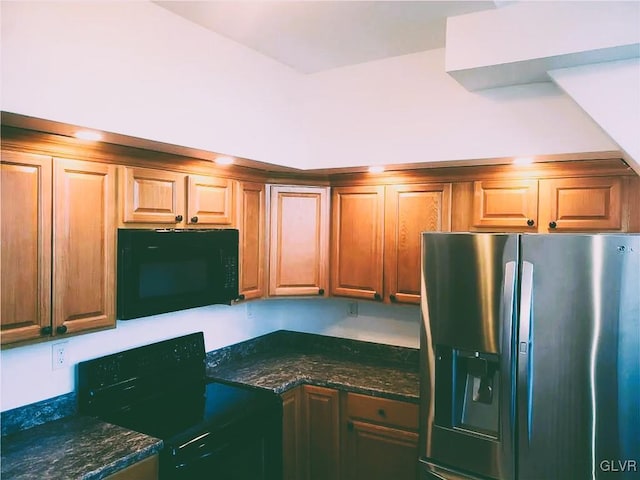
(77, 446)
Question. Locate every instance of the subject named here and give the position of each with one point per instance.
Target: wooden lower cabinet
(380, 440)
(147, 469)
(330, 435)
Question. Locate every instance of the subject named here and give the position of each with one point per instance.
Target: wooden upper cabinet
(505, 204)
(152, 196)
(299, 234)
(84, 246)
(410, 210)
(251, 225)
(25, 241)
(357, 241)
(581, 204)
(209, 200)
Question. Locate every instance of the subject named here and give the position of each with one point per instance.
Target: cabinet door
(376, 452)
(152, 196)
(357, 241)
(500, 204)
(322, 433)
(83, 246)
(251, 218)
(581, 204)
(25, 241)
(381, 438)
(292, 435)
(147, 469)
(410, 210)
(209, 200)
(299, 240)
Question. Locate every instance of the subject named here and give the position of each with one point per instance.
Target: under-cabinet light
(224, 160)
(523, 160)
(88, 135)
(376, 169)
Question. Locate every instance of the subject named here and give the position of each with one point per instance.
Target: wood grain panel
(299, 240)
(147, 469)
(322, 433)
(505, 204)
(357, 241)
(84, 245)
(25, 241)
(209, 200)
(382, 410)
(251, 219)
(152, 196)
(583, 204)
(292, 435)
(409, 211)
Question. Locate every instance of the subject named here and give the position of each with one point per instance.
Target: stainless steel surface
(580, 408)
(572, 373)
(468, 299)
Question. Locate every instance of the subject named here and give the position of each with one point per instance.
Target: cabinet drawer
(383, 411)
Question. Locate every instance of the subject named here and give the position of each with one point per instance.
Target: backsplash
(27, 376)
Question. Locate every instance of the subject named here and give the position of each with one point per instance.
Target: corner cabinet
(376, 238)
(58, 242)
(160, 198)
(299, 239)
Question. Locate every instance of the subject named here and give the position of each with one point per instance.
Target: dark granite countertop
(75, 447)
(285, 359)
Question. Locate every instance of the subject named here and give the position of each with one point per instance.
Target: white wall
(610, 93)
(135, 68)
(408, 109)
(27, 376)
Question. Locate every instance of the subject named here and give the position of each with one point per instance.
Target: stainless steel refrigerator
(530, 356)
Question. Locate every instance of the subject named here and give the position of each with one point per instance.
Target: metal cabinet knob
(350, 426)
(46, 330)
(61, 329)
(194, 219)
(393, 298)
(179, 218)
(382, 413)
(530, 222)
(321, 291)
(376, 296)
(553, 224)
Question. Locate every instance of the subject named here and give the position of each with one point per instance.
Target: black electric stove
(209, 429)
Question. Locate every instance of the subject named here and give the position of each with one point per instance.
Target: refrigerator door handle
(525, 373)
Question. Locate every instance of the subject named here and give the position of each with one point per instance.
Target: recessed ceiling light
(522, 160)
(88, 135)
(224, 160)
(376, 169)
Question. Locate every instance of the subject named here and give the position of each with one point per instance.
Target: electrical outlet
(59, 355)
(352, 309)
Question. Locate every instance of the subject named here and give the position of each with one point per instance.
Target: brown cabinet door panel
(251, 219)
(209, 200)
(357, 241)
(410, 210)
(292, 433)
(84, 245)
(505, 204)
(25, 229)
(152, 196)
(582, 204)
(299, 240)
(322, 433)
(381, 453)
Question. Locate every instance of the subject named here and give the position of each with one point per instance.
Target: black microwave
(167, 270)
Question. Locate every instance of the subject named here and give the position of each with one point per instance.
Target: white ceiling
(311, 36)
